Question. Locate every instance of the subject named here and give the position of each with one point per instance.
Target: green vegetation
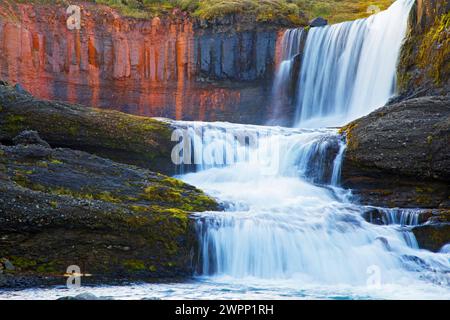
(293, 11)
(434, 51)
(341, 10)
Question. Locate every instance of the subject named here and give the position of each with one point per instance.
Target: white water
(281, 225)
(349, 69)
(281, 95)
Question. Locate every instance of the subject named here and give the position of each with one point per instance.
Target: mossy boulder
(432, 236)
(399, 155)
(61, 207)
(118, 136)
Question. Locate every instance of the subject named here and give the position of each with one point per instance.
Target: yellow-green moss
(434, 52)
(352, 142)
(14, 123)
(134, 265)
(56, 161)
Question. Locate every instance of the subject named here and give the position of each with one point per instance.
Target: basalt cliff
(174, 66)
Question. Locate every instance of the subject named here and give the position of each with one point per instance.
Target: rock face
(124, 138)
(318, 22)
(61, 207)
(424, 67)
(171, 67)
(399, 155)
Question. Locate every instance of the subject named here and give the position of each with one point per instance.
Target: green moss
(21, 179)
(47, 268)
(137, 208)
(56, 161)
(54, 204)
(352, 142)
(106, 196)
(434, 52)
(14, 123)
(134, 265)
(262, 10)
(22, 263)
(173, 182)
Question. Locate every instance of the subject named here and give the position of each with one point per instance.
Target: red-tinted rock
(169, 67)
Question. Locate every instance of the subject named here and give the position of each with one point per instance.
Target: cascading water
(291, 46)
(348, 69)
(287, 218)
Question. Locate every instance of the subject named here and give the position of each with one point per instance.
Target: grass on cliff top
(263, 10)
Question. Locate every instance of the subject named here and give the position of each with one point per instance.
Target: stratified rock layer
(169, 67)
(122, 137)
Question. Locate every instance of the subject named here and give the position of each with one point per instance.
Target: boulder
(121, 137)
(318, 22)
(115, 221)
(432, 237)
(28, 137)
(399, 155)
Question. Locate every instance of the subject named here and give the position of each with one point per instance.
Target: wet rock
(384, 242)
(374, 215)
(318, 22)
(399, 155)
(30, 137)
(85, 296)
(7, 265)
(432, 236)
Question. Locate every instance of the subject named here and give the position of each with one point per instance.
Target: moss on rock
(121, 137)
(113, 220)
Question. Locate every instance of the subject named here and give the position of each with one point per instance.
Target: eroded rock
(114, 221)
(399, 155)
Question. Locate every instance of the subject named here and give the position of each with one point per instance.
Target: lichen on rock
(62, 207)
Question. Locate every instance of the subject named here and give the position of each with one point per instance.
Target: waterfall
(348, 69)
(282, 90)
(286, 216)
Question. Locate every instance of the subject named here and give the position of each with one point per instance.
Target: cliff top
(284, 12)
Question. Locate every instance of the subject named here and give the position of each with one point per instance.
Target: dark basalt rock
(30, 137)
(117, 222)
(121, 137)
(318, 22)
(432, 236)
(399, 155)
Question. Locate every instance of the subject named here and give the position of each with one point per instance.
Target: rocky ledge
(118, 136)
(61, 207)
(399, 156)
